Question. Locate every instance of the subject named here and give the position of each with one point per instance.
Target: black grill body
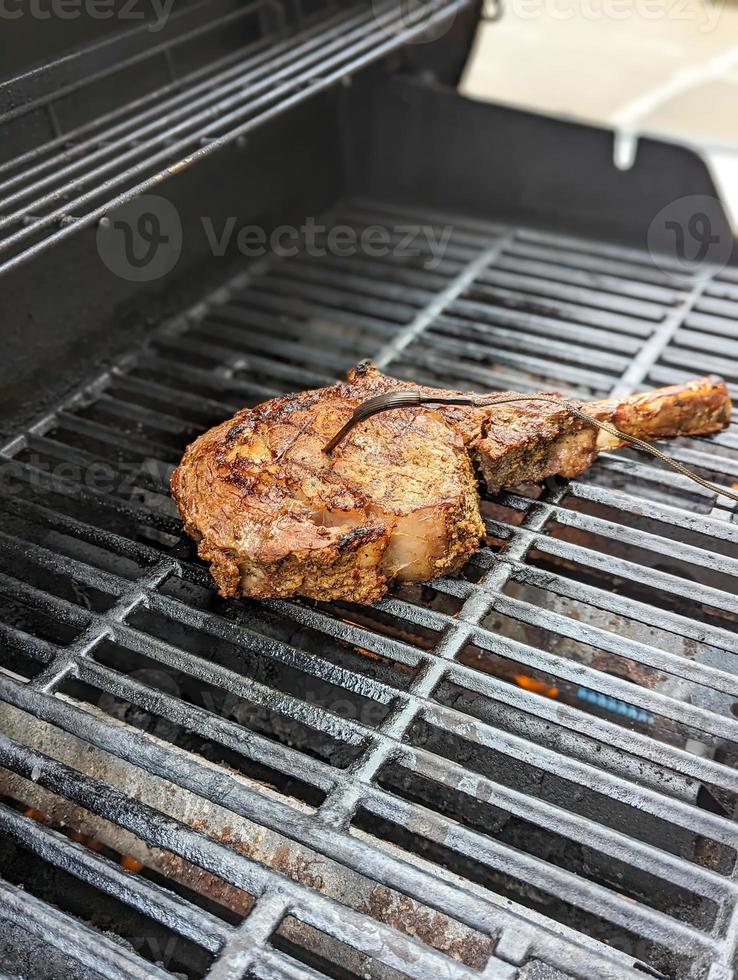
(525, 771)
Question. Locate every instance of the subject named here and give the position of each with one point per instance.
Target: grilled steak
(275, 516)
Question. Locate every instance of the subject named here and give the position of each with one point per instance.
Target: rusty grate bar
(98, 871)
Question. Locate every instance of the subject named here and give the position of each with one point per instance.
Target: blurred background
(673, 62)
(666, 67)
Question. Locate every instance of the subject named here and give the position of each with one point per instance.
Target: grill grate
(88, 169)
(404, 761)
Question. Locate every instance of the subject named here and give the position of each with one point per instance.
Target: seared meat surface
(275, 516)
(397, 500)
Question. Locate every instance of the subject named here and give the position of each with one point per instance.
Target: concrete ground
(660, 66)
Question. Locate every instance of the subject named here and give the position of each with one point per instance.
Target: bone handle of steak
(696, 408)
(556, 445)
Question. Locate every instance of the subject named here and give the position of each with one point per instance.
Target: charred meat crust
(528, 442)
(275, 517)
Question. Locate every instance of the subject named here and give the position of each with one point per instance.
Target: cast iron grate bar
(147, 896)
(84, 945)
(241, 871)
(148, 826)
(554, 555)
